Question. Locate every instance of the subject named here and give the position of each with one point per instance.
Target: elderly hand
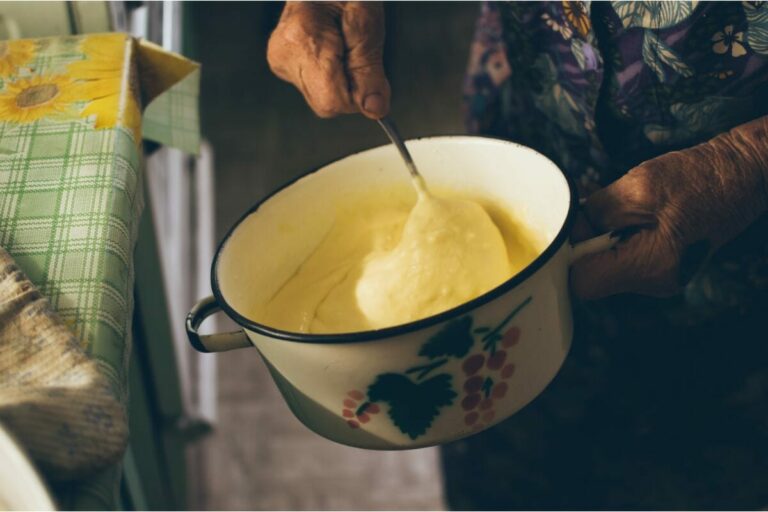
(332, 52)
(673, 210)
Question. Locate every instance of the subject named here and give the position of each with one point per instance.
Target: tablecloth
(71, 190)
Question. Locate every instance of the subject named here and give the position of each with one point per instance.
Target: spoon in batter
(387, 266)
(450, 251)
(391, 130)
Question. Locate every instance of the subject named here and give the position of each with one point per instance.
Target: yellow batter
(387, 262)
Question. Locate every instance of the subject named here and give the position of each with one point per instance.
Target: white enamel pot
(434, 380)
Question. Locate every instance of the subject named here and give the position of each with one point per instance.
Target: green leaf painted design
(412, 406)
(487, 387)
(423, 370)
(493, 337)
(656, 53)
(757, 26)
(455, 340)
(655, 14)
(491, 341)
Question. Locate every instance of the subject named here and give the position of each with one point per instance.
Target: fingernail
(691, 260)
(374, 104)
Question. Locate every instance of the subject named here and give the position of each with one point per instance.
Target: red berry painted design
(499, 390)
(473, 384)
(496, 361)
(356, 395)
(356, 408)
(470, 401)
(485, 373)
(511, 337)
(473, 363)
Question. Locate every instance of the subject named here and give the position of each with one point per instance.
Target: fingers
(332, 52)
(324, 85)
(307, 49)
(646, 260)
(629, 201)
(363, 28)
(644, 263)
(657, 255)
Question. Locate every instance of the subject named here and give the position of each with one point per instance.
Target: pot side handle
(212, 342)
(593, 245)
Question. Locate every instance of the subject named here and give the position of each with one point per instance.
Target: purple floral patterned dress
(661, 403)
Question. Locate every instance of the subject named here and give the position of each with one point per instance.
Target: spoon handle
(394, 136)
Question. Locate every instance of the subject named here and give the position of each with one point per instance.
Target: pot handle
(212, 342)
(597, 244)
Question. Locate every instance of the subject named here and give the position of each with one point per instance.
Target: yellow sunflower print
(102, 78)
(578, 17)
(14, 54)
(29, 99)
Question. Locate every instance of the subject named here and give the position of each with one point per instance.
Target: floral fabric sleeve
(600, 87)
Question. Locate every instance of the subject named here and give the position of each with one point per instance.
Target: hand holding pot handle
(594, 245)
(212, 342)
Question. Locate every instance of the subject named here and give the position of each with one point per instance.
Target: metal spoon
(391, 130)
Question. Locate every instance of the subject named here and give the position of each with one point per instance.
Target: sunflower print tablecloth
(70, 178)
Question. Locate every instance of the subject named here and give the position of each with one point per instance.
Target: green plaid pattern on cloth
(70, 201)
(172, 118)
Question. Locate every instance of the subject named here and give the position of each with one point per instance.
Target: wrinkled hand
(332, 52)
(674, 210)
